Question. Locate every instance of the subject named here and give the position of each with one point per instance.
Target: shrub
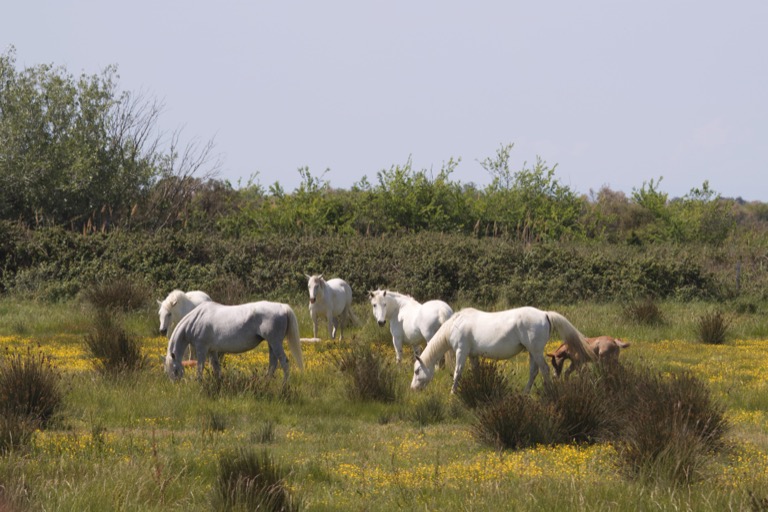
(712, 328)
(29, 390)
(585, 407)
(670, 428)
(116, 295)
(482, 384)
(252, 481)
(517, 421)
(428, 410)
(15, 432)
(115, 351)
(369, 375)
(234, 382)
(644, 311)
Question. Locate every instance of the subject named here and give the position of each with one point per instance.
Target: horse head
(173, 366)
(422, 374)
(315, 286)
(379, 304)
(165, 317)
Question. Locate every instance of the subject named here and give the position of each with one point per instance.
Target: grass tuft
(482, 384)
(712, 328)
(644, 311)
(369, 375)
(248, 480)
(116, 352)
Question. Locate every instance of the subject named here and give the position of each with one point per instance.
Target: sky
(613, 92)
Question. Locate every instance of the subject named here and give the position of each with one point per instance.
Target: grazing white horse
(176, 305)
(410, 321)
(214, 328)
(331, 299)
(472, 333)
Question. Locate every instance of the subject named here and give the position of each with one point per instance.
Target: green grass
(142, 442)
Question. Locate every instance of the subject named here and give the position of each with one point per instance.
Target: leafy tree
(529, 204)
(76, 151)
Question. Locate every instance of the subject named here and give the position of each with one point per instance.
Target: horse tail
(350, 313)
(294, 342)
(573, 339)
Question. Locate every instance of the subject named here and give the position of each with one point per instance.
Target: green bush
(644, 311)
(482, 384)
(517, 421)
(248, 480)
(368, 374)
(712, 328)
(585, 406)
(115, 351)
(30, 390)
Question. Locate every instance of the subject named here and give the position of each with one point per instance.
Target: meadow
(141, 442)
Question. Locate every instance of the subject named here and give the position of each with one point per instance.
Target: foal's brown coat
(605, 348)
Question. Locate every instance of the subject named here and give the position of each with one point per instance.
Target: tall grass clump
(30, 387)
(369, 376)
(671, 427)
(586, 408)
(643, 311)
(482, 384)
(120, 294)
(248, 480)
(115, 351)
(517, 421)
(30, 397)
(428, 410)
(712, 328)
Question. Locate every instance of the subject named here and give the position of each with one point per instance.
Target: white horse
(332, 299)
(175, 306)
(410, 321)
(214, 328)
(472, 333)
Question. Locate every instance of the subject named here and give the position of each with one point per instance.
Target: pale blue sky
(614, 92)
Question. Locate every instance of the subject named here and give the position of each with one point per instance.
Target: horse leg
(313, 314)
(216, 364)
(536, 363)
(398, 343)
(272, 361)
(284, 365)
(331, 326)
(461, 358)
(200, 363)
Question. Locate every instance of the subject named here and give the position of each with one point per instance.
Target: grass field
(142, 442)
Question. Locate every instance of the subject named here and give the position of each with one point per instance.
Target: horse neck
(183, 306)
(178, 344)
(403, 301)
(436, 347)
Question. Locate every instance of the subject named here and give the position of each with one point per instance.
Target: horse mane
(439, 344)
(398, 295)
(174, 297)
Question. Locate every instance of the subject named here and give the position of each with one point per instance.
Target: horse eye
(417, 371)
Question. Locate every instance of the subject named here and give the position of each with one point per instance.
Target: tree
(76, 151)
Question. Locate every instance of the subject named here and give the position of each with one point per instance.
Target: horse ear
(320, 276)
(159, 303)
(308, 276)
(174, 302)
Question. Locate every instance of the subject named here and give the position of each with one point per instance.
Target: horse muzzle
(163, 331)
(311, 300)
(381, 323)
